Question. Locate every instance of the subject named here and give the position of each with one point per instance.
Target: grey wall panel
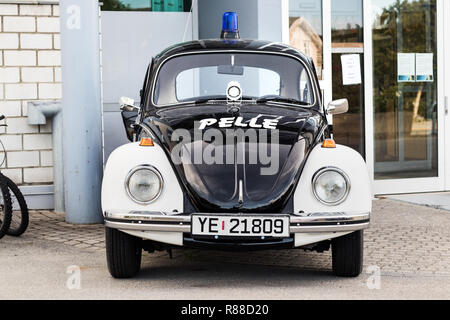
(210, 17)
(270, 26)
(114, 132)
(129, 41)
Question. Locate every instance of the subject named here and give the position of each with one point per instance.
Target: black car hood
(239, 186)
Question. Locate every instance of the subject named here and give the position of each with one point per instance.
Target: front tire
(123, 254)
(347, 252)
(19, 219)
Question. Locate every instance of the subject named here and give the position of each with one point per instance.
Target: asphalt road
(38, 270)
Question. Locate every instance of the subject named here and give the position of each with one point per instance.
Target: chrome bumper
(163, 222)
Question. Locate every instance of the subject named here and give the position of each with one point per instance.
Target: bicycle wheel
(5, 207)
(20, 216)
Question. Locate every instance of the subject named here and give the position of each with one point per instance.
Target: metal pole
(82, 112)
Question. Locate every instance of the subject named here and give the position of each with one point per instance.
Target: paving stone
(403, 239)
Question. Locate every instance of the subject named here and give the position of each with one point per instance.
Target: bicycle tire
(16, 229)
(5, 207)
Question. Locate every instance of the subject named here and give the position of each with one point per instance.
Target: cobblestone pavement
(51, 226)
(404, 239)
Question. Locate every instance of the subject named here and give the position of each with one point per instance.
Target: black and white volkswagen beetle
(231, 150)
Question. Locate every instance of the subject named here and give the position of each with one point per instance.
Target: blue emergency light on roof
(230, 29)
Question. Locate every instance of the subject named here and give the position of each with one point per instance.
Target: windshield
(206, 76)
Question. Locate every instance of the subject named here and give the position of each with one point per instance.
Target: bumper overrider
(165, 222)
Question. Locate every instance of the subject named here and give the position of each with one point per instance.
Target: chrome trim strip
(335, 228)
(147, 216)
(187, 228)
(331, 219)
(182, 222)
(148, 227)
(153, 84)
(148, 131)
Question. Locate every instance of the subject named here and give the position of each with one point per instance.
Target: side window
(305, 87)
(144, 86)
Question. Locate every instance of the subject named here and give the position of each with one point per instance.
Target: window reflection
(305, 30)
(147, 5)
(347, 23)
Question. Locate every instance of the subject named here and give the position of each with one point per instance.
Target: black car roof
(237, 45)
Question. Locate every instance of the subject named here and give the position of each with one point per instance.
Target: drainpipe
(38, 113)
(82, 116)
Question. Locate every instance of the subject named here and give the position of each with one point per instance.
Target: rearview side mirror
(127, 104)
(337, 107)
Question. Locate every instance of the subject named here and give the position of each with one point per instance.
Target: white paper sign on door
(424, 67)
(406, 67)
(351, 69)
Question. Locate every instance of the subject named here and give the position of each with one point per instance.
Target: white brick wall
(37, 141)
(19, 24)
(20, 126)
(36, 41)
(38, 175)
(23, 159)
(10, 109)
(14, 174)
(30, 70)
(48, 24)
(46, 158)
(9, 75)
(21, 91)
(35, 10)
(20, 58)
(37, 74)
(50, 91)
(49, 58)
(9, 41)
(9, 9)
(12, 143)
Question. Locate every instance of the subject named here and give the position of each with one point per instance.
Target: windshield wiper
(282, 99)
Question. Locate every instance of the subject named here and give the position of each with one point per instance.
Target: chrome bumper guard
(163, 222)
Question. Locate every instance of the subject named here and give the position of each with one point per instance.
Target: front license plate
(240, 226)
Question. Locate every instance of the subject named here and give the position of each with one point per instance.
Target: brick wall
(29, 70)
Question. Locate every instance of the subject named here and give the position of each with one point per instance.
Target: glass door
(347, 49)
(407, 96)
(397, 107)
(332, 33)
(446, 13)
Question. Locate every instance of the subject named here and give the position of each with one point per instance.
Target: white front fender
(348, 160)
(121, 162)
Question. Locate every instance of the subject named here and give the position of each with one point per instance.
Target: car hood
(265, 180)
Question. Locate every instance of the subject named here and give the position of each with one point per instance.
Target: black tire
(19, 219)
(347, 254)
(123, 254)
(5, 207)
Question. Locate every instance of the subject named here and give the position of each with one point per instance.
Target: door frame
(446, 93)
(415, 185)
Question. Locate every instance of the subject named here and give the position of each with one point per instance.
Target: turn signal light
(147, 142)
(329, 144)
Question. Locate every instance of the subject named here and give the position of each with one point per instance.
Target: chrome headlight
(144, 184)
(331, 186)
